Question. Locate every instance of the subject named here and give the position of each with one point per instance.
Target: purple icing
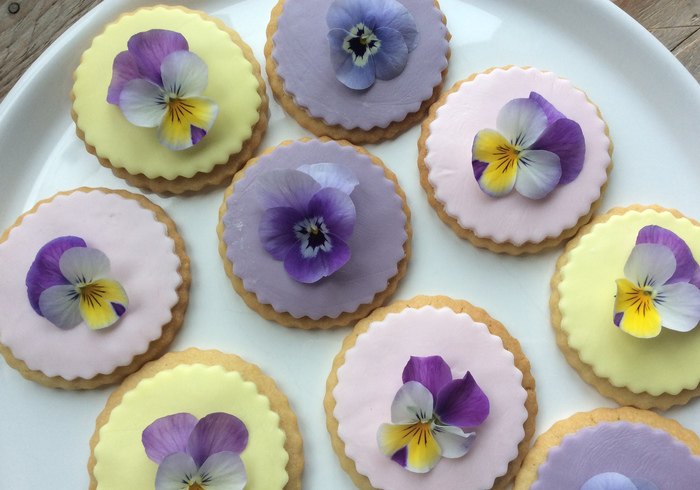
(376, 243)
(303, 62)
(634, 450)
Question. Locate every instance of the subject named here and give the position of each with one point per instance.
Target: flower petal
(392, 56)
(423, 451)
(223, 471)
(494, 163)
(167, 435)
(413, 402)
(102, 303)
(61, 306)
(332, 175)
(344, 14)
(521, 121)
(639, 316)
(462, 403)
(394, 15)
(679, 306)
(142, 103)
(124, 69)
(539, 172)
(82, 265)
(432, 372)
(323, 263)
(453, 441)
(609, 481)
(685, 263)
(564, 137)
(215, 433)
(184, 74)
(393, 438)
(276, 231)
(337, 210)
(357, 75)
(552, 113)
(650, 264)
(150, 48)
(45, 270)
(175, 472)
(175, 130)
(284, 188)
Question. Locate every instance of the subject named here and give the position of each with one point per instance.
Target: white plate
(649, 100)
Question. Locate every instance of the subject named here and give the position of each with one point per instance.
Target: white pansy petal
(538, 174)
(413, 402)
(332, 175)
(184, 74)
(521, 121)
(83, 265)
(142, 103)
(650, 264)
(679, 306)
(223, 471)
(453, 441)
(173, 472)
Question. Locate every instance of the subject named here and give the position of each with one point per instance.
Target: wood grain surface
(27, 27)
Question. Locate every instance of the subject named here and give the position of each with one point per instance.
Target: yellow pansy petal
(391, 437)
(501, 159)
(175, 130)
(102, 302)
(640, 317)
(423, 450)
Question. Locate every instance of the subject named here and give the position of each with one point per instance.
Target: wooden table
(27, 27)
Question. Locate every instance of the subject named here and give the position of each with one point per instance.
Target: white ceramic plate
(649, 100)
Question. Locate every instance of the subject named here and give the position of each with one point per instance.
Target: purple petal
(150, 48)
(686, 267)
(337, 210)
(391, 58)
(609, 481)
(276, 231)
(392, 14)
(346, 71)
(286, 188)
(332, 175)
(462, 403)
(215, 433)
(432, 372)
(45, 270)
(175, 468)
(345, 14)
(565, 139)
(124, 69)
(552, 113)
(168, 435)
(311, 269)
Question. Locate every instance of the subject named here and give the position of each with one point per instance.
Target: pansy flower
(158, 82)
(308, 216)
(428, 414)
(67, 283)
(661, 286)
(197, 454)
(369, 39)
(617, 481)
(533, 149)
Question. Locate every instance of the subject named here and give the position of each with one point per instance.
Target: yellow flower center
(177, 108)
(195, 486)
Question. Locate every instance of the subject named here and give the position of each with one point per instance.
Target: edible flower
(661, 286)
(369, 39)
(534, 149)
(67, 283)
(616, 481)
(197, 454)
(158, 82)
(308, 216)
(427, 415)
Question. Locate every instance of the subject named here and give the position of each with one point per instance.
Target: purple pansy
(428, 414)
(202, 454)
(534, 149)
(308, 216)
(369, 39)
(616, 481)
(661, 286)
(67, 283)
(158, 83)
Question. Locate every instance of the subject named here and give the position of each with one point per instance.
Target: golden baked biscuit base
(538, 454)
(286, 319)
(316, 125)
(621, 395)
(470, 235)
(156, 347)
(249, 372)
(220, 172)
(458, 306)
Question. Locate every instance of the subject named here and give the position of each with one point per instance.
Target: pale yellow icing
(665, 364)
(232, 85)
(200, 390)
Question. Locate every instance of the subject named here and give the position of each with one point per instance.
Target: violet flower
(197, 454)
(427, 415)
(661, 286)
(617, 481)
(369, 39)
(534, 149)
(308, 217)
(158, 83)
(67, 283)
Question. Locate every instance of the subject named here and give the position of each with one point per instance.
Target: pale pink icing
(142, 259)
(514, 218)
(371, 375)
